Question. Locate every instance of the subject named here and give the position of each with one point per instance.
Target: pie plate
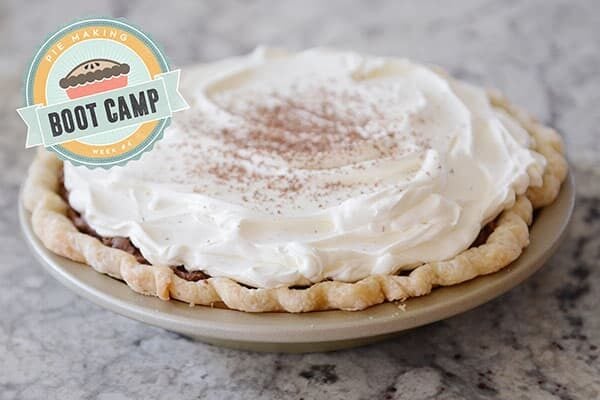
(315, 331)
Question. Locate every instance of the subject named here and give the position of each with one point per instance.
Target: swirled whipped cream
(289, 169)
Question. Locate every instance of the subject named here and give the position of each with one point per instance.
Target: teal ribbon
(39, 118)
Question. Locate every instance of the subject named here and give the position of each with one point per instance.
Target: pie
(95, 76)
(309, 181)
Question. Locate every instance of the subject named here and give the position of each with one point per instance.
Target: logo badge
(99, 93)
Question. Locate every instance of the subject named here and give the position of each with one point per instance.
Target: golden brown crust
(503, 246)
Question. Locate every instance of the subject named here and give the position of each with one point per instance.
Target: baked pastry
(94, 76)
(309, 181)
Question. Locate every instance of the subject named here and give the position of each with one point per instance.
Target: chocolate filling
(484, 234)
(193, 276)
(123, 243)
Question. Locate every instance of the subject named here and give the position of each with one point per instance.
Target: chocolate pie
(306, 181)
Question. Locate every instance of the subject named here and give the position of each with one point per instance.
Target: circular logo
(99, 92)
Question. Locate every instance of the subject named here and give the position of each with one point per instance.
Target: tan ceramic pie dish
(315, 331)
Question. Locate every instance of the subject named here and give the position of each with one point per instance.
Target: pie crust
(504, 245)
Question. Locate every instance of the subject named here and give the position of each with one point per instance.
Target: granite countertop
(539, 341)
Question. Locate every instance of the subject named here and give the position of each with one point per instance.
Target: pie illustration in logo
(94, 76)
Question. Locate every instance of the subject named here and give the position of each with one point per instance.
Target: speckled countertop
(539, 341)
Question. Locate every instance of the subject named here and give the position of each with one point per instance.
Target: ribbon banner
(103, 112)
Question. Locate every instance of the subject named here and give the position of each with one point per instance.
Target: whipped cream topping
(289, 169)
